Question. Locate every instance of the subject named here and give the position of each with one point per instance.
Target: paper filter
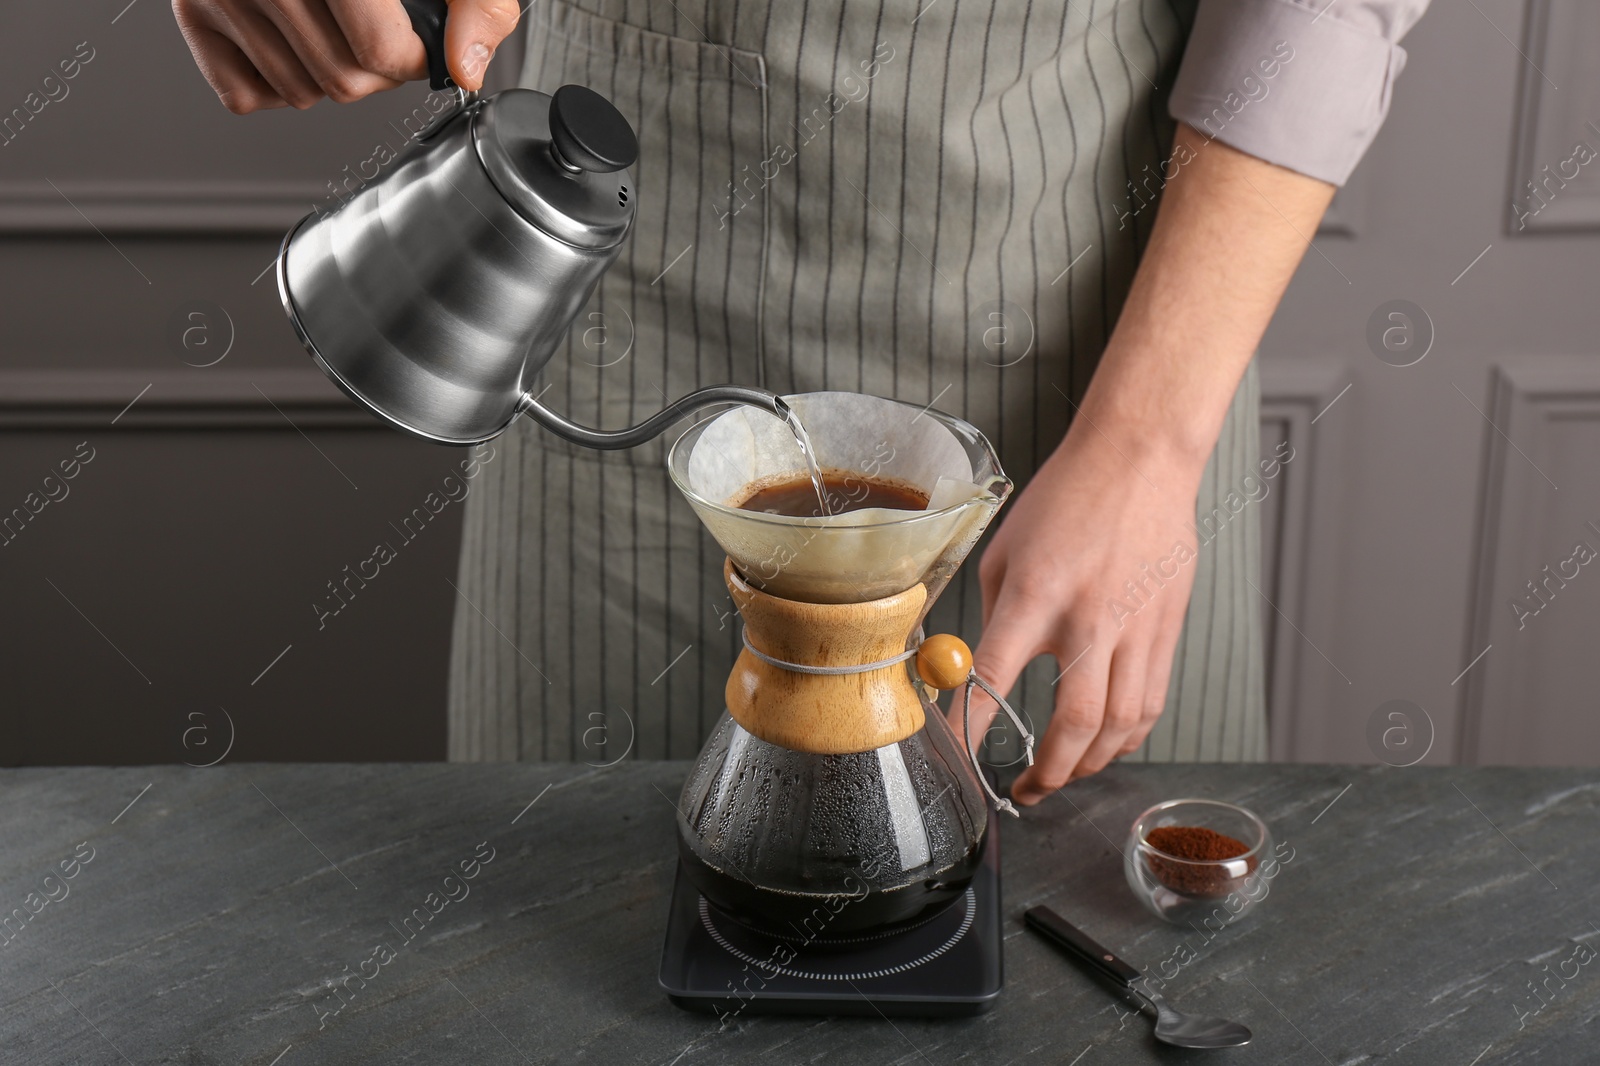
(858, 555)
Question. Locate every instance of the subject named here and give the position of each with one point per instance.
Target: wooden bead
(944, 661)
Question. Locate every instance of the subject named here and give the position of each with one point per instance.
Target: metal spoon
(1172, 1027)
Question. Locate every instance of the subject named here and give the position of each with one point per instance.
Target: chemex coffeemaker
(838, 853)
(837, 850)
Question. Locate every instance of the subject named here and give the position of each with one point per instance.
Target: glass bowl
(1190, 891)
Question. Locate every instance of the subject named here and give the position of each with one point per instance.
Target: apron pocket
(679, 308)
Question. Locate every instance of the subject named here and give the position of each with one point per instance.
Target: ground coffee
(1197, 845)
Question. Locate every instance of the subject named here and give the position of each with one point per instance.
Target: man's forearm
(1230, 231)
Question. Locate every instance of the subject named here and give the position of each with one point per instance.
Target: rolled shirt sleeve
(1304, 84)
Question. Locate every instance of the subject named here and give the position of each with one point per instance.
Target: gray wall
(143, 604)
(1439, 489)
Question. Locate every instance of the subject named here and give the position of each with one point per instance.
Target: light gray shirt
(1304, 84)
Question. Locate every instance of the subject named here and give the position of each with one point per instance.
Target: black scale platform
(946, 966)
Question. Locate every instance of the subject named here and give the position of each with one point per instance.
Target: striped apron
(831, 196)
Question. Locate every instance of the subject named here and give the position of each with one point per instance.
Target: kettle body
(436, 293)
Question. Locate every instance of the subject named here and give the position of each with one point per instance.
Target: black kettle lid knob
(589, 132)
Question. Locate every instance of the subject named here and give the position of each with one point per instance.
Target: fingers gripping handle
(966, 731)
(945, 662)
(427, 18)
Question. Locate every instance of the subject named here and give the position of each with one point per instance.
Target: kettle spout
(655, 425)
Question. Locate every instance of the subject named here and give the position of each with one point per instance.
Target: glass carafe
(795, 818)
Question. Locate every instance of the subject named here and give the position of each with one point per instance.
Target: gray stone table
(210, 911)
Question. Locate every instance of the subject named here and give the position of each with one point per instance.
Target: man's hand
(1099, 514)
(1118, 494)
(260, 54)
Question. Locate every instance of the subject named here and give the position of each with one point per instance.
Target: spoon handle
(1057, 929)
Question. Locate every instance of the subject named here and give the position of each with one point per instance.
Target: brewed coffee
(844, 491)
(872, 838)
(820, 917)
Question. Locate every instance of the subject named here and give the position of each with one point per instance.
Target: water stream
(810, 455)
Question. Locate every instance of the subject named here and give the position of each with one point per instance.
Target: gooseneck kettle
(435, 294)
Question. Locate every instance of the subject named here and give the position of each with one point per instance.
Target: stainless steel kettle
(436, 293)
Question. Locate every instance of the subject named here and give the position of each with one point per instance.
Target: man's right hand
(260, 54)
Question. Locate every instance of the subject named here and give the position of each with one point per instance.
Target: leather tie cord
(966, 703)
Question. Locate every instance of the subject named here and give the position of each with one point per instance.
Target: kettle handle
(427, 19)
(653, 426)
